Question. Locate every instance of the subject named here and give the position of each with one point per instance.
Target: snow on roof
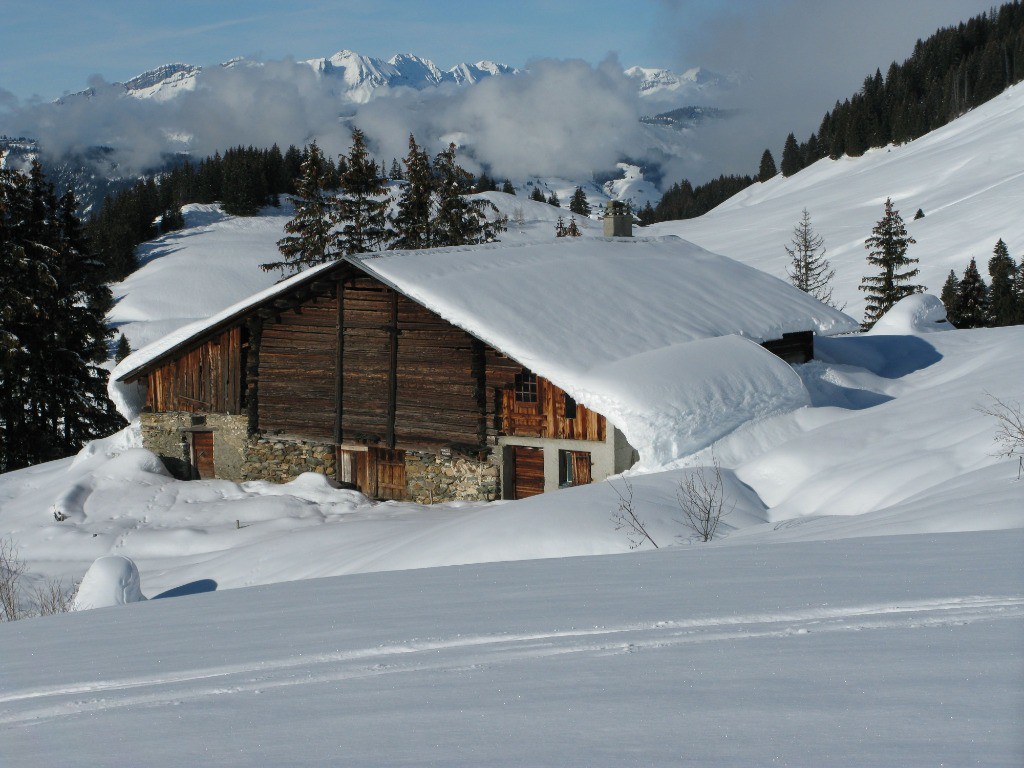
(615, 322)
(570, 304)
(612, 321)
(140, 358)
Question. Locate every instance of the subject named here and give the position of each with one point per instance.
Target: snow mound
(687, 396)
(920, 313)
(111, 580)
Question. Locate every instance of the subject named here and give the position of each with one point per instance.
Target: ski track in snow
(462, 652)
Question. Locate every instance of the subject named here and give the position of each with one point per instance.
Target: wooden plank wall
(436, 395)
(207, 378)
(296, 384)
(366, 312)
(440, 392)
(546, 417)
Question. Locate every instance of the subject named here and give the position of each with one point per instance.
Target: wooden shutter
(581, 468)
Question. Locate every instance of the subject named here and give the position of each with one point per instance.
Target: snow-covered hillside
(875, 652)
(966, 177)
(864, 604)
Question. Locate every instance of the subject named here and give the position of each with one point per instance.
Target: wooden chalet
(347, 369)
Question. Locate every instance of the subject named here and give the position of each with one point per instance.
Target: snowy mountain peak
(664, 82)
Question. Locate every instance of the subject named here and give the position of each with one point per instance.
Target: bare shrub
(1009, 430)
(53, 596)
(12, 569)
(701, 497)
(627, 519)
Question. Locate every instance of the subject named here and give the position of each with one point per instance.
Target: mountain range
(357, 77)
(96, 139)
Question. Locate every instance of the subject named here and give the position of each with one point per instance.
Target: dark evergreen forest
(951, 72)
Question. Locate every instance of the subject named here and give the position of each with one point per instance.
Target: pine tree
(123, 349)
(972, 299)
(1003, 271)
(579, 203)
(791, 160)
(887, 250)
(536, 194)
(52, 330)
(768, 169)
(507, 187)
(553, 200)
(363, 206)
(172, 220)
(413, 221)
(949, 296)
(647, 215)
(459, 220)
(808, 269)
(396, 170)
(309, 240)
(1019, 292)
(485, 184)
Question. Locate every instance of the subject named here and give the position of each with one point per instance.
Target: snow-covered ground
(871, 652)
(863, 606)
(966, 177)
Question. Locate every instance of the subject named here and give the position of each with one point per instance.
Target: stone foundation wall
(279, 460)
(167, 435)
(431, 478)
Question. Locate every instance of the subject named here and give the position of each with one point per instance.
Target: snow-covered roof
(613, 321)
(571, 304)
(138, 360)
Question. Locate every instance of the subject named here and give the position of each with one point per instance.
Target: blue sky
(50, 47)
(53, 46)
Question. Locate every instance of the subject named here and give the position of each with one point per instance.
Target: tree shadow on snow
(890, 357)
(192, 588)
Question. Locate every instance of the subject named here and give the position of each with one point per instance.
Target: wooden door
(202, 455)
(381, 473)
(527, 471)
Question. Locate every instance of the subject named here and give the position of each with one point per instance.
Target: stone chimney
(618, 221)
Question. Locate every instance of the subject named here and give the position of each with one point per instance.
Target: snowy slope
(863, 606)
(875, 652)
(196, 271)
(967, 178)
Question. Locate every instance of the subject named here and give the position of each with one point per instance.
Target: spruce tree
(767, 169)
(1019, 292)
(579, 204)
(412, 222)
(52, 330)
(791, 160)
(536, 194)
(507, 187)
(972, 299)
(172, 220)
(949, 296)
(459, 220)
(1003, 271)
(887, 251)
(309, 240)
(553, 200)
(363, 206)
(123, 349)
(808, 269)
